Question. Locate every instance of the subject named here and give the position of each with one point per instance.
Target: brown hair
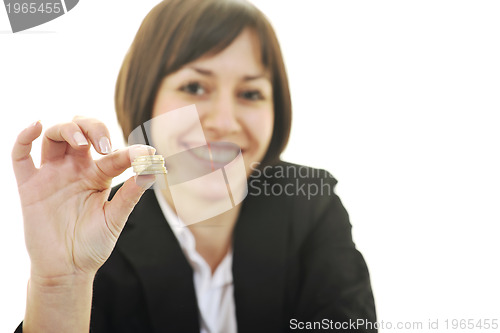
(177, 32)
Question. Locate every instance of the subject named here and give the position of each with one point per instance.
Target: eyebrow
(209, 73)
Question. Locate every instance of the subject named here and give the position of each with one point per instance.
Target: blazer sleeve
(335, 283)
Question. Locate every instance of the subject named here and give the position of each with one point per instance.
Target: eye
(252, 95)
(193, 88)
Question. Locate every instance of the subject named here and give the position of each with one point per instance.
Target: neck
(213, 236)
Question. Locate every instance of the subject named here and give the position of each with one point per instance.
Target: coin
(149, 165)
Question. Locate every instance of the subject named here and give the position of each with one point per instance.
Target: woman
(276, 262)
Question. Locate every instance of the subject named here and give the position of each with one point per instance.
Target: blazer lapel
(259, 264)
(167, 278)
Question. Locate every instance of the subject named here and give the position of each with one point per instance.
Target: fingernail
(34, 124)
(151, 150)
(145, 181)
(105, 145)
(80, 139)
(140, 150)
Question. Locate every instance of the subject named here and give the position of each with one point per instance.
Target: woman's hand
(70, 227)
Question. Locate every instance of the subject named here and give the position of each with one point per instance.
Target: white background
(399, 100)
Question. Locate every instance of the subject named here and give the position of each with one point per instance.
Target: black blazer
(293, 261)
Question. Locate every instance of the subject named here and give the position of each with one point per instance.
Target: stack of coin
(149, 165)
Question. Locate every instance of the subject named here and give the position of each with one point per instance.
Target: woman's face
(233, 95)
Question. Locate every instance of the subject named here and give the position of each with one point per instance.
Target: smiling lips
(217, 155)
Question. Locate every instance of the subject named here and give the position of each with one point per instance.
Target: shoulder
(283, 170)
(301, 197)
(293, 184)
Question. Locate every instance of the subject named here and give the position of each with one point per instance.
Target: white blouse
(214, 293)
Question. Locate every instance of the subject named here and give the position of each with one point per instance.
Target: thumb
(119, 208)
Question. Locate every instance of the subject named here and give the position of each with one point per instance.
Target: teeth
(222, 156)
(201, 153)
(217, 152)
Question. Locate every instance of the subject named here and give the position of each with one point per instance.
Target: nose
(220, 120)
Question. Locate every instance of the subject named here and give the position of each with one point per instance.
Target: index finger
(120, 160)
